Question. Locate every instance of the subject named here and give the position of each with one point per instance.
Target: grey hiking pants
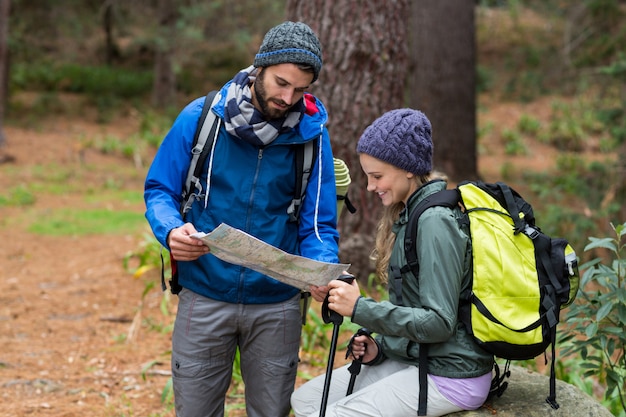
(205, 338)
(388, 389)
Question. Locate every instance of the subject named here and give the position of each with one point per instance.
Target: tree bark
(442, 81)
(4, 64)
(164, 87)
(363, 76)
(111, 49)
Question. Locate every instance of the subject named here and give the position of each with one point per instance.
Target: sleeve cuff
(379, 356)
(354, 308)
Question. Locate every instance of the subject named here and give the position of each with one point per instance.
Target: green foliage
(617, 68)
(79, 222)
(529, 125)
(137, 146)
(314, 336)
(507, 171)
(20, 195)
(613, 115)
(94, 81)
(597, 35)
(107, 89)
(167, 395)
(526, 85)
(484, 79)
(47, 102)
(614, 118)
(573, 169)
(572, 199)
(153, 127)
(513, 143)
(597, 321)
(149, 256)
(483, 130)
(375, 289)
(565, 131)
(237, 378)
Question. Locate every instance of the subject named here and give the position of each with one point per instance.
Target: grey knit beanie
(292, 43)
(402, 138)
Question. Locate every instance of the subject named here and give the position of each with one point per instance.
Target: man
(249, 184)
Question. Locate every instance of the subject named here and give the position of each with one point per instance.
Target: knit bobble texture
(401, 137)
(293, 43)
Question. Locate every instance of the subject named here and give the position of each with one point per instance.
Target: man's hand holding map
(237, 247)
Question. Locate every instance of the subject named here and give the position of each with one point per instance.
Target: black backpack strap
(306, 155)
(203, 141)
(175, 288)
(423, 380)
(519, 223)
(396, 275)
(552, 397)
(163, 286)
(498, 381)
(445, 198)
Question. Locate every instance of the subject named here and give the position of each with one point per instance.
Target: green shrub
(566, 134)
(17, 196)
(91, 80)
(596, 322)
(513, 143)
(484, 79)
(80, 222)
(529, 125)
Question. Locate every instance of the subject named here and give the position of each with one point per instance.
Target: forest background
(88, 101)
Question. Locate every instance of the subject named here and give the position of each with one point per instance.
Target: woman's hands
(364, 347)
(343, 296)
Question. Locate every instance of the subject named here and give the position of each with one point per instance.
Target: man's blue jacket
(251, 188)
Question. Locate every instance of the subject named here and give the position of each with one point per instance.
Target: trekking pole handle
(348, 278)
(331, 316)
(361, 332)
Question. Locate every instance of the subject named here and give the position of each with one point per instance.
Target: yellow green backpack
(521, 278)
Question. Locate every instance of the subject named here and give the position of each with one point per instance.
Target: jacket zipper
(249, 216)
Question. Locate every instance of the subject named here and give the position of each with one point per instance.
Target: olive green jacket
(429, 313)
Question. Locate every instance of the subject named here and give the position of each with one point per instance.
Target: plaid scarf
(244, 121)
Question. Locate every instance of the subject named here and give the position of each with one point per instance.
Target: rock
(526, 397)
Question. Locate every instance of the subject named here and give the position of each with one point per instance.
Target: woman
(395, 153)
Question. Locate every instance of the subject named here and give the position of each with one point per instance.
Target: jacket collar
(422, 192)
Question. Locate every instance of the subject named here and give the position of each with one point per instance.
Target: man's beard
(268, 112)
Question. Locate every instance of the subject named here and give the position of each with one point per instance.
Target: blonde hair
(385, 237)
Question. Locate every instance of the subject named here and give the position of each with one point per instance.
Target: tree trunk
(164, 87)
(111, 50)
(4, 63)
(442, 81)
(363, 76)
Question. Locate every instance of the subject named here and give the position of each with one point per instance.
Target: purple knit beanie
(402, 138)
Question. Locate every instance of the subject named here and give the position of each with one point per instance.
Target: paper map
(239, 248)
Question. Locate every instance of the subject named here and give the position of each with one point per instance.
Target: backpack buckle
(531, 232)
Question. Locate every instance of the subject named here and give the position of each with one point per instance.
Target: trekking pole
(355, 366)
(330, 316)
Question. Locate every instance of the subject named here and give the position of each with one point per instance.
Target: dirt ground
(67, 306)
(67, 303)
